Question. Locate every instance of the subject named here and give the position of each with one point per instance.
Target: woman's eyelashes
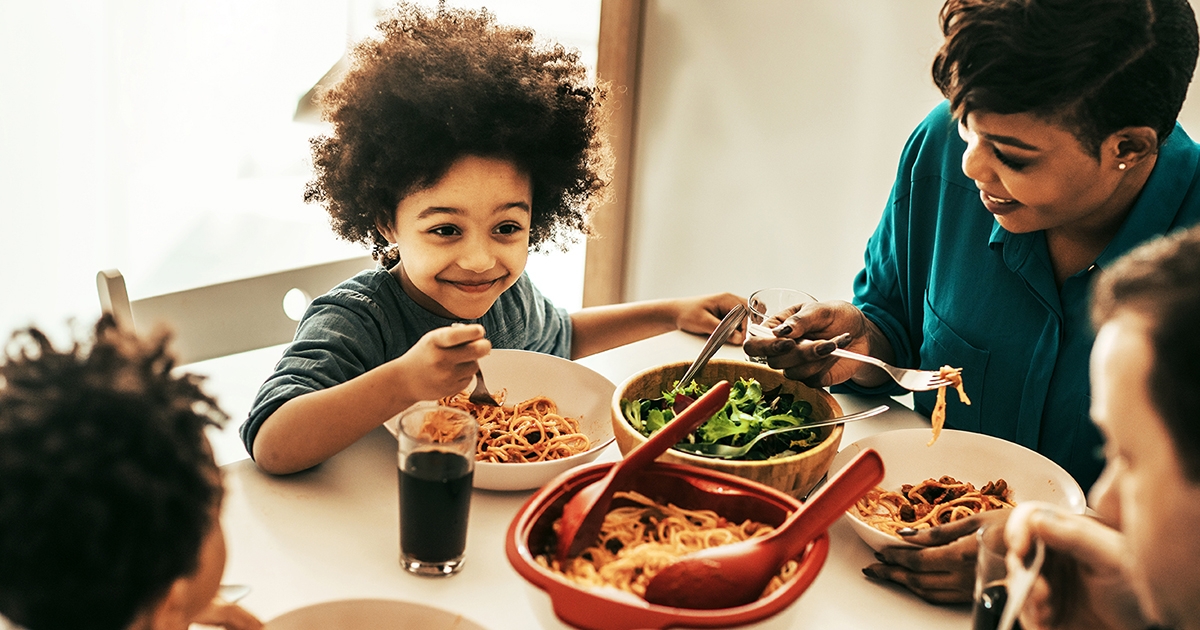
(1007, 161)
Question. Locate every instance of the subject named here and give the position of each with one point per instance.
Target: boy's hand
(702, 314)
(1085, 582)
(444, 361)
(221, 614)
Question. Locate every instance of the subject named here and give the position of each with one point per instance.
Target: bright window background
(157, 137)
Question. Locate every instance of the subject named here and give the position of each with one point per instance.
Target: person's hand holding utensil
(771, 306)
(1084, 581)
(801, 342)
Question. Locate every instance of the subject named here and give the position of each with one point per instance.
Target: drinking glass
(765, 303)
(991, 590)
(436, 467)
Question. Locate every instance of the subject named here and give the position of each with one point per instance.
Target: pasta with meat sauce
(930, 503)
(529, 431)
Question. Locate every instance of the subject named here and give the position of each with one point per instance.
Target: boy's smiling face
(464, 240)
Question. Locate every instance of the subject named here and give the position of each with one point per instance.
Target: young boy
(457, 146)
(109, 495)
(1137, 564)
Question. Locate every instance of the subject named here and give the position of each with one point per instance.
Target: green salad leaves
(750, 411)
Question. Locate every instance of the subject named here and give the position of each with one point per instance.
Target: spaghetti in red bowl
(558, 599)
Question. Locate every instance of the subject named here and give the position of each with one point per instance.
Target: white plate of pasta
(554, 416)
(962, 473)
(370, 614)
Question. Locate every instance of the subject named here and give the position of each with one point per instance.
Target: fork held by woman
(910, 379)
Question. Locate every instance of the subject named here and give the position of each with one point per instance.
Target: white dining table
(331, 532)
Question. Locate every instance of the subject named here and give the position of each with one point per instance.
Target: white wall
(768, 136)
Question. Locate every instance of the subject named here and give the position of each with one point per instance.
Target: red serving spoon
(583, 515)
(736, 574)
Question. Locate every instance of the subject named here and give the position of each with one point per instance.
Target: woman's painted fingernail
(842, 340)
(879, 557)
(824, 348)
(906, 531)
(783, 330)
(869, 572)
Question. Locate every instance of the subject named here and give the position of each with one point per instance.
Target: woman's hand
(806, 335)
(444, 361)
(1085, 582)
(942, 571)
(700, 315)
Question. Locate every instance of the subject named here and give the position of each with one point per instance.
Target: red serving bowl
(735, 498)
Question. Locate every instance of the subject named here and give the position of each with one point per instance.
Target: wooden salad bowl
(794, 475)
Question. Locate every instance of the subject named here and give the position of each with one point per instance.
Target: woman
(1056, 151)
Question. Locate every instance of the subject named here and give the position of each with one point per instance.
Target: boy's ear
(385, 230)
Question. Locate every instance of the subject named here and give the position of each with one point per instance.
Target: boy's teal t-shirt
(368, 320)
(949, 286)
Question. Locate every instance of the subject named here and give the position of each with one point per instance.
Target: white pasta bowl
(579, 392)
(966, 456)
(370, 614)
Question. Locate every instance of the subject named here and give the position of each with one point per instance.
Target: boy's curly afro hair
(442, 84)
(107, 481)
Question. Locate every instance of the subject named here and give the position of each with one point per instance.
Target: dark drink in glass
(435, 499)
(988, 606)
(435, 468)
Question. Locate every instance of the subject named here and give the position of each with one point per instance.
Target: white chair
(229, 317)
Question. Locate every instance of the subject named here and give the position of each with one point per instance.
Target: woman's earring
(1121, 166)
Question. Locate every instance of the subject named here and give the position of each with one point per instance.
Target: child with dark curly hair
(458, 145)
(109, 495)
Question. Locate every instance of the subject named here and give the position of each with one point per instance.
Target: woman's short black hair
(1160, 281)
(107, 482)
(440, 84)
(1095, 66)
